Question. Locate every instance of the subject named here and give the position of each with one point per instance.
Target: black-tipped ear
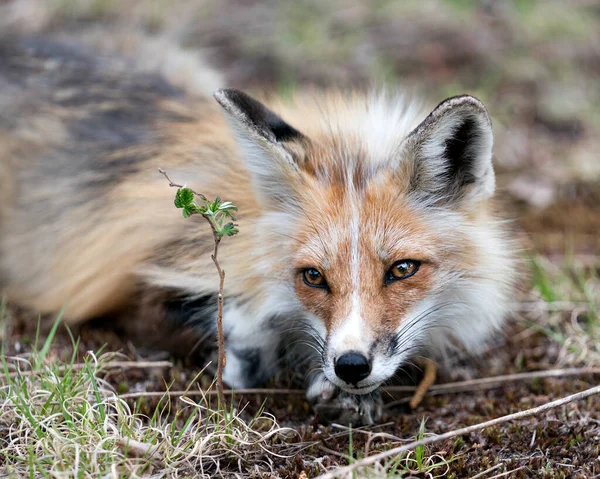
(452, 152)
(270, 148)
(256, 116)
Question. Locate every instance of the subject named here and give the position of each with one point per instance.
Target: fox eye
(313, 278)
(402, 269)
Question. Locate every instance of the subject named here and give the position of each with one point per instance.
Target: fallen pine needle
(460, 432)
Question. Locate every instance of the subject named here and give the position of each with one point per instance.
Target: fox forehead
(353, 236)
(345, 197)
(377, 221)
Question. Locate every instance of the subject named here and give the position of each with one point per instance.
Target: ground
(536, 65)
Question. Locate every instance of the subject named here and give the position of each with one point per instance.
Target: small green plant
(216, 211)
(220, 216)
(420, 450)
(542, 280)
(569, 315)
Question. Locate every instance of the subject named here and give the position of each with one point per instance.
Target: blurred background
(535, 64)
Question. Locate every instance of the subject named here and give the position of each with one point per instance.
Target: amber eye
(402, 269)
(313, 278)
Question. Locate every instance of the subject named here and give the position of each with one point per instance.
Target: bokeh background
(535, 64)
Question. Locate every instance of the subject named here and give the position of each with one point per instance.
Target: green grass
(421, 461)
(64, 418)
(571, 292)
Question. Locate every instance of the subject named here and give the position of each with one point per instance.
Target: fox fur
(347, 183)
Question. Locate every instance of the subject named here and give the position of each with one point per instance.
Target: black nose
(352, 367)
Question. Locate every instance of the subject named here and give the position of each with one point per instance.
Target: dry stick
(461, 432)
(459, 386)
(504, 474)
(533, 306)
(487, 471)
(427, 381)
(193, 393)
(220, 335)
(469, 384)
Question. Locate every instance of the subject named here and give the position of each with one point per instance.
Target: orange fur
(354, 184)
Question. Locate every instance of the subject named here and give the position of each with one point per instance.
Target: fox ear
(269, 144)
(451, 153)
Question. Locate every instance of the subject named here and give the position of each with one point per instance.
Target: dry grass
(59, 421)
(573, 321)
(64, 419)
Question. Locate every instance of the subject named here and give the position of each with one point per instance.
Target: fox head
(379, 219)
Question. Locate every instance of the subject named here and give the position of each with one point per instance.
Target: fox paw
(331, 404)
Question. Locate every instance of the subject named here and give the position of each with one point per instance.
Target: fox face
(388, 246)
(360, 272)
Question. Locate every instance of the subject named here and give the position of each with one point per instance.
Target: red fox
(365, 221)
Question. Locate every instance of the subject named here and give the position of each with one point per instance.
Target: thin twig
(550, 306)
(493, 381)
(487, 471)
(504, 474)
(332, 452)
(460, 432)
(220, 334)
(228, 392)
(175, 185)
(459, 386)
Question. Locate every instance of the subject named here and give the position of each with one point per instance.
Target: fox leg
(334, 405)
(251, 341)
(252, 347)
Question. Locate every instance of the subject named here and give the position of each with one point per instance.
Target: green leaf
(229, 229)
(227, 206)
(201, 209)
(214, 206)
(184, 197)
(188, 211)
